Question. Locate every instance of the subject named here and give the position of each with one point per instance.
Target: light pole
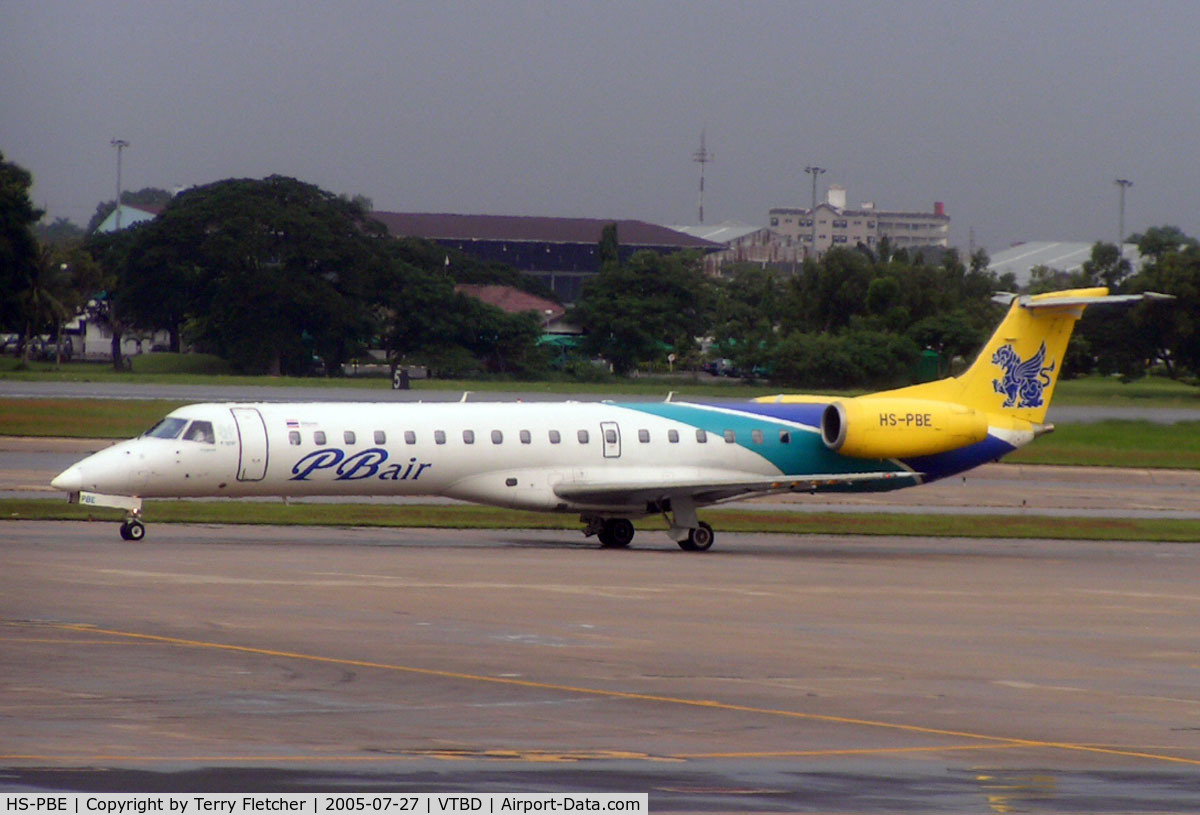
(1123, 183)
(814, 171)
(120, 144)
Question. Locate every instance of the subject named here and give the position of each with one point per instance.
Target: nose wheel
(133, 530)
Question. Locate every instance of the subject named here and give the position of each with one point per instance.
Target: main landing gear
(613, 533)
(133, 530)
(699, 539)
(692, 534)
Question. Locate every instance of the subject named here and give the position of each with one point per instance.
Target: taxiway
(781, 673)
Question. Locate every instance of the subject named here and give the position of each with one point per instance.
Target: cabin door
(252, 444)
(611, 434)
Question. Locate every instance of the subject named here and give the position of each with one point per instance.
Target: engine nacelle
(899, 428)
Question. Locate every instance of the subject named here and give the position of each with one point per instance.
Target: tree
(638, 310)
(1105, 267)
(1171, 331)
(951, 334)
(19, 257)
(268, 272)
(427, 322)
(1158, 241)
(61, 232)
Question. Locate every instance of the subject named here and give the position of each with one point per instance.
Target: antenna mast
(120, 144)
(702, 157)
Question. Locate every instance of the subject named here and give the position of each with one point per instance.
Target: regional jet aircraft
(610, 463)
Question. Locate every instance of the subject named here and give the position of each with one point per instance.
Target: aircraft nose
(69, 480)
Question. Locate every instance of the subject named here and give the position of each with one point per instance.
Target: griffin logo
(1024, 380)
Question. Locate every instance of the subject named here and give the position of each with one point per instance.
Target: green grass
(1117, 444)
(475, 517)
(205, 369)
(1150, 392)
(81, 418)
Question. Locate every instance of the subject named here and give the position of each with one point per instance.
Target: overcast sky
(1018, 115)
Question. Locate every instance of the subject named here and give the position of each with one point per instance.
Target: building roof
(130, 215)
(870, 212)
(533, 229)
(1065, 256)
(512, 300)
(725, 232)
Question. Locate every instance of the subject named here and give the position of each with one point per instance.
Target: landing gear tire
(617, 533)
(133, 530)
(699, 539)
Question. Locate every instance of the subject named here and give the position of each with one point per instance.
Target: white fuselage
(506, 454)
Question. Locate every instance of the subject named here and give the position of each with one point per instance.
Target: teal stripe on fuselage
(804, 454)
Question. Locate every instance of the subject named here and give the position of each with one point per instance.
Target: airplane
(609, 462)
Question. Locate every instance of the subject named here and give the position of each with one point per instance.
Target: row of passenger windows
(349, 437)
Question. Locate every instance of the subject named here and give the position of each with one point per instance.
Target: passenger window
(201, 432)
(319, 437)
(380, 437)
(526, 437)
(349, 437)
(439, 437)
(785, 437)
(730, 437)
(468, 437)
(610, 437)
(582, 435)
(673, 436)
(701, 436)
(410, 437)
(756, 436)
(497, 437)
(644, 436)
(293, 437)
(555, 438)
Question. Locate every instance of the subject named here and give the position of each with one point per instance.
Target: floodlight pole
(702, 157)
(1123, 183)
(814, 171)
(120, 144)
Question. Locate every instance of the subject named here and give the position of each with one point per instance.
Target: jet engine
(899, 428)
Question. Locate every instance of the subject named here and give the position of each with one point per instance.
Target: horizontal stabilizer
(1037, 301)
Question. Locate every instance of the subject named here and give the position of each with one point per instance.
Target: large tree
(268, 273)
(639, 310)
(19, 257)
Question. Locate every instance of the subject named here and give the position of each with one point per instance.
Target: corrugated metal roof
(1065, 256)
(534, 229)
(725, 232)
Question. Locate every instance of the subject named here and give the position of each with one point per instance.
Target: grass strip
(82, 418)
(1116, 443)
(724, 520)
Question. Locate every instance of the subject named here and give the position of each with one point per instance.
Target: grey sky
(1018, 115)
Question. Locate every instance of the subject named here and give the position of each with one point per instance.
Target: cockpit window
(168, 428)
(201, 432)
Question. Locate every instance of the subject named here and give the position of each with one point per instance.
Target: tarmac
(774, 673)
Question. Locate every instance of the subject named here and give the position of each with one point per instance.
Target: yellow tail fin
(1015, 373)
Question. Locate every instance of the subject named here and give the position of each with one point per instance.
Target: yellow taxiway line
(991, 741)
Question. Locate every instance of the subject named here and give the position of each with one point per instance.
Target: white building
(832, 223)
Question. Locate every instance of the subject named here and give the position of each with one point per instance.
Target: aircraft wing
(709, 491)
